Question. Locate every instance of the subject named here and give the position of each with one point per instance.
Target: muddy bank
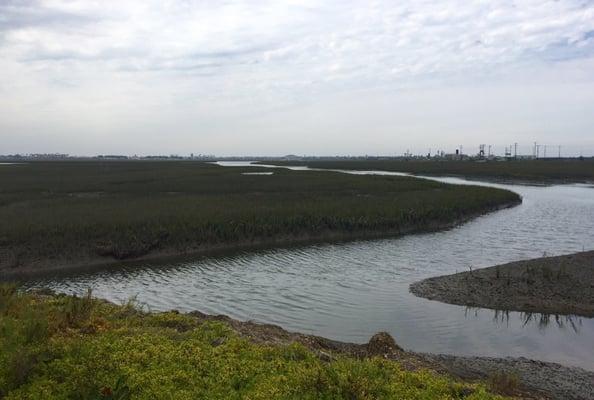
(562, 285)
(532, 379)
(156, 253)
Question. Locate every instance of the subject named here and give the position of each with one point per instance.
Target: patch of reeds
(122, 210)
(504, 382)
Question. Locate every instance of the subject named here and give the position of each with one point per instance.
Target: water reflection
(541, 320)
(544, 320)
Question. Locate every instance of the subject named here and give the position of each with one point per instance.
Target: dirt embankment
(562, 285)
(519, 377)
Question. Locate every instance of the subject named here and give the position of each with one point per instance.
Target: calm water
(348, 291)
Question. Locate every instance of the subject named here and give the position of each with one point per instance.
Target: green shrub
(174, 356)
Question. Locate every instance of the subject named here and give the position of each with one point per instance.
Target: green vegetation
(536, 171)
(60, 213)
(61, 347)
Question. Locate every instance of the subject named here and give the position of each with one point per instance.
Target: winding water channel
(348, 291)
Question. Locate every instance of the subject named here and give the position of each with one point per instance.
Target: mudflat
(562, 285)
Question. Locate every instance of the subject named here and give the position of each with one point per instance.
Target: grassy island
(561, 285)
(544, 171)
(61, 347)
(60, 214)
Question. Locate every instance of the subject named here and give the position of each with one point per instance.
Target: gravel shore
(551, 380)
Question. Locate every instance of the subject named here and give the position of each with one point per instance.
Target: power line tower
(508, 152)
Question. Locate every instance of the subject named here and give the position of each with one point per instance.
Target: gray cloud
(16, 15)
(207, 69)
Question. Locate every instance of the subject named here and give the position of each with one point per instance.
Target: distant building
(292, 157)
(112, 157)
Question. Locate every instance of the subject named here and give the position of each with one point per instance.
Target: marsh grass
(175, 356)
(7, 296)
(545, 273)
(64, 212)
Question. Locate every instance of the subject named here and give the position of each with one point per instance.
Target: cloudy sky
(303, 77)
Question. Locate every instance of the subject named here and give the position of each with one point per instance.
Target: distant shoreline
(523, 172)
(562, 285)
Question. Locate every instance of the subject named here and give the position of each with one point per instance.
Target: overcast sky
(272, 78)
